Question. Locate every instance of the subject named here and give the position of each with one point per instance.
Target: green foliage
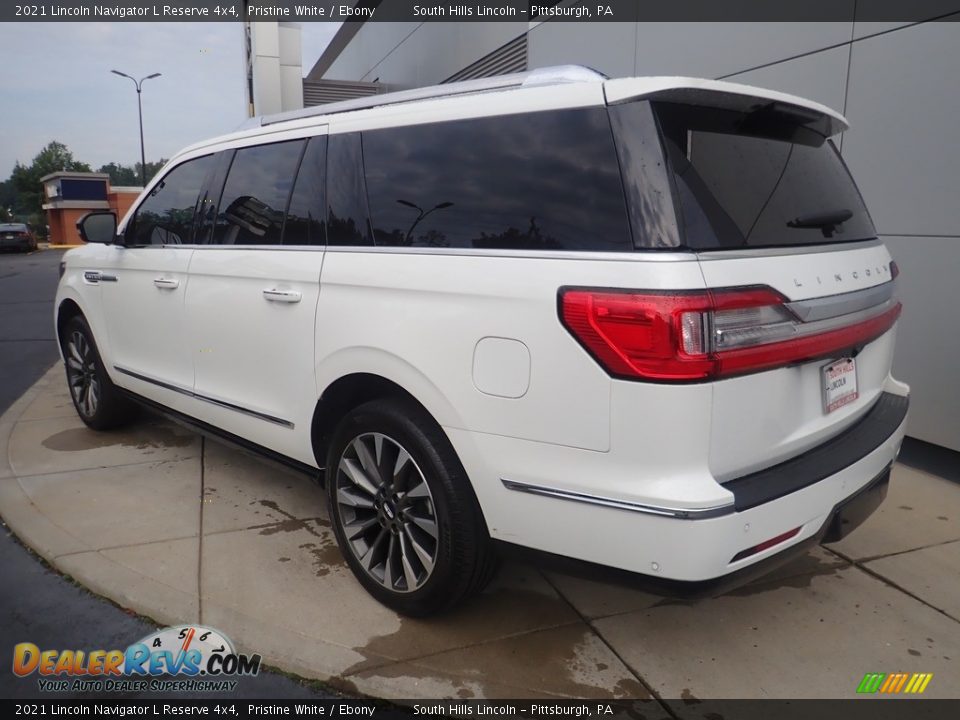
(21, 195)
(129, 174)
(26, 178)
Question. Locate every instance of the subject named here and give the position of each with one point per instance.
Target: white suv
(644, 323)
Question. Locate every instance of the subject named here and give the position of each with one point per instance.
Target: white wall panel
(928, 338)
(903, 105)
(820, 77)
(715, 50)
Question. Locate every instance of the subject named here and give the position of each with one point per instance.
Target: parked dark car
(17, 236)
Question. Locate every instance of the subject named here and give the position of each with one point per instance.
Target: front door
(143, 286)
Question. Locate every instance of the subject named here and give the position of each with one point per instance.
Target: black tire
(463, 560)
(96, 399)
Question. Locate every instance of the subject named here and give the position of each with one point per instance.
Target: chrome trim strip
(792, 250)
(832, 306)
(630, 255)
(675, 513)
(206, 398)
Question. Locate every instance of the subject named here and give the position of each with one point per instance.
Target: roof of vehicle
(13, 226)
(715, 93)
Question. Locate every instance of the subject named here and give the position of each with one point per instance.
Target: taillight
(704, 335)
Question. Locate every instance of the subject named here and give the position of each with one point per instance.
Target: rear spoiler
(727, 96)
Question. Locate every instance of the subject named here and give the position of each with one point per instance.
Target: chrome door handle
(166, 283)
(286, 296)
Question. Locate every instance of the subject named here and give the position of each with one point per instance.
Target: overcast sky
(55, 84)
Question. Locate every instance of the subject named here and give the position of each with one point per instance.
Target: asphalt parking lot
(37, 604)
(182, 529)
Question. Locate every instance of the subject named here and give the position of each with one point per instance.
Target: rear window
(757, 179)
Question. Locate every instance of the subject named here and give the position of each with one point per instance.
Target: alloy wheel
(82, 374)
(387, 512)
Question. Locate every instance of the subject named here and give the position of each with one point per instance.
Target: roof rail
(540, 76)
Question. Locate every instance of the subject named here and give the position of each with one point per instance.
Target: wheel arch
(346, 393)
(67, 309)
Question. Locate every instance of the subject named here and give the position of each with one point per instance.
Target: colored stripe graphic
(870, 683)
(893, 683)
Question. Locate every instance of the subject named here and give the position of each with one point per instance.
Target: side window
(347, 221)
(206, 221)
(534, 181)
(254, 200)
(305, 217)
(166, 216)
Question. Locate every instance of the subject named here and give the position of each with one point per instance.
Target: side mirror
(98, 227)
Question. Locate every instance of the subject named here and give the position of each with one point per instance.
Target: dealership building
(889, 79)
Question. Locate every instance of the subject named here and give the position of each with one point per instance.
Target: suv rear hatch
(795, 329)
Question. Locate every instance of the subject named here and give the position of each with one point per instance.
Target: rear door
(254, 286)
(802, 301)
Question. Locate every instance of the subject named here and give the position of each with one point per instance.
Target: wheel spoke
(74, 352)
(366, 460)
(420, 490)
(426, 559)
(357, 476)
(94, 394)
(368, 558)
(388, 563)
(87, 406)
(408, 572)
(426, 524)
(74, 364)
(346, 496)
(359, 528)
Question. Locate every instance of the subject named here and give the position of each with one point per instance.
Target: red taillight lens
(695, 336)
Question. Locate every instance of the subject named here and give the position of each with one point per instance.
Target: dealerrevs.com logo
(175, 659)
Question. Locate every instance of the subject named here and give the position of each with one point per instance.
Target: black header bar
(525, 11)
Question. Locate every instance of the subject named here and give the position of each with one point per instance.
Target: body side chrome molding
(206, 398)
(675, 513)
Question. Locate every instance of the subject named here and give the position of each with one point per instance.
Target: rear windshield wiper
(826, 222)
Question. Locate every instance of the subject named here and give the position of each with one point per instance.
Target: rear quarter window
(533, 181)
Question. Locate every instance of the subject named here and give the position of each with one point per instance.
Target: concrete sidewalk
(182, 529)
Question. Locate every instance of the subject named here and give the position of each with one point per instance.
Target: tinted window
(758, 180)
(305, 217)
(347, 222)
(646, 179)
(254, 199)
(166, 216)
(538, 181)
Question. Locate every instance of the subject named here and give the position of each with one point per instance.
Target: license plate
(839, 384)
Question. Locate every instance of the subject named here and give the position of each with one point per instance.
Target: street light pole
(139, 86)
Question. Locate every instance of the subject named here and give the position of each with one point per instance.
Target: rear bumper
(829, 458)
(844, 518)
(809, 496)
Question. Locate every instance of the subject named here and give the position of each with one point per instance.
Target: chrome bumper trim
(675, 513)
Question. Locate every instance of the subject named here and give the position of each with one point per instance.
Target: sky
(56, 84)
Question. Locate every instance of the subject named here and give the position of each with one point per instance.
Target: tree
(120, 174)
(26, 178)
(129, 174)
(8, 201)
